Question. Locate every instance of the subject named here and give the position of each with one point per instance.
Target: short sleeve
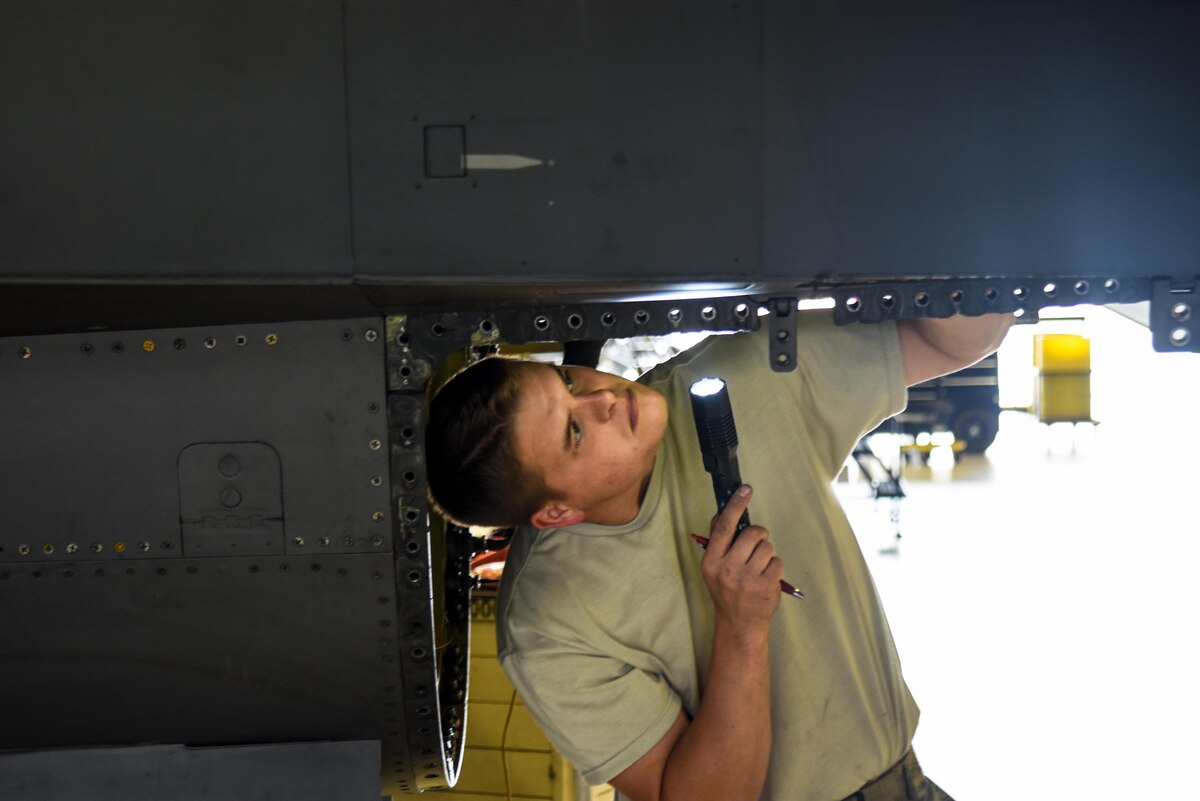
(599, 712)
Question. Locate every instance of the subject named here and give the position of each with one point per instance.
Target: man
(670, 671)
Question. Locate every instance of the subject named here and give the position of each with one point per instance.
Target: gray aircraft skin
(238, 242)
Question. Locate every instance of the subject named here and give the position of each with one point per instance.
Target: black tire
(977, 427)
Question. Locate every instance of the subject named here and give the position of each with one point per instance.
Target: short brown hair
(471, 462)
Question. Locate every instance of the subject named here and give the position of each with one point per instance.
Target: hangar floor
(1043, 595)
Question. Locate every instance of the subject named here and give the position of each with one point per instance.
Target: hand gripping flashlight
(718, 447)
(718, 440)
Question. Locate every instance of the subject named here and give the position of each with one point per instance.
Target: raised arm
(723, 753)
(932, 347)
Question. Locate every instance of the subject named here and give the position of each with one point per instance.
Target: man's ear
(554, 514)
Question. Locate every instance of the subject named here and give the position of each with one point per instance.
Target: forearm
(724, 752)
(936, 346)
(964, 339)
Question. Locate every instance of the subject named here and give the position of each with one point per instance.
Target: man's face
(592, 436)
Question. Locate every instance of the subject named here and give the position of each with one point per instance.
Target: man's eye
(576, 432)
(566, 377)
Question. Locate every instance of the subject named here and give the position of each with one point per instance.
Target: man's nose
(601, 404)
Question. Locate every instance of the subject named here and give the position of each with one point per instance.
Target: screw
(298, 542)
(23, 550)
(210, 343)
(97, 547)
(148, 346)
(348, 540)
(143, 546)
(376, 444)
(371, 336)
(377, 541)
(377, 516)
(272, 339)
(72, 548)
(26, 353)
(324, 542)
(376, 481)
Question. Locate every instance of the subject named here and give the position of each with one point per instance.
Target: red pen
(784, 587)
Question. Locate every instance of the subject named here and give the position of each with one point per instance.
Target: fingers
(725, 524)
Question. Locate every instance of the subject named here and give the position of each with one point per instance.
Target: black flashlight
(718, 441)
(718, 447)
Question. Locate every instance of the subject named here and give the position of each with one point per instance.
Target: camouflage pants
(935, 793)
(905, 781)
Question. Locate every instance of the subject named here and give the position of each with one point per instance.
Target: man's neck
(622, 510)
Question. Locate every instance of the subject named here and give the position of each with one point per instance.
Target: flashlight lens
(707, 387)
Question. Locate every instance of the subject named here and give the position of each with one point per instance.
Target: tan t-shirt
(606, 631)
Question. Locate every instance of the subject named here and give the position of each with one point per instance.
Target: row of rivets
(120, 546)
